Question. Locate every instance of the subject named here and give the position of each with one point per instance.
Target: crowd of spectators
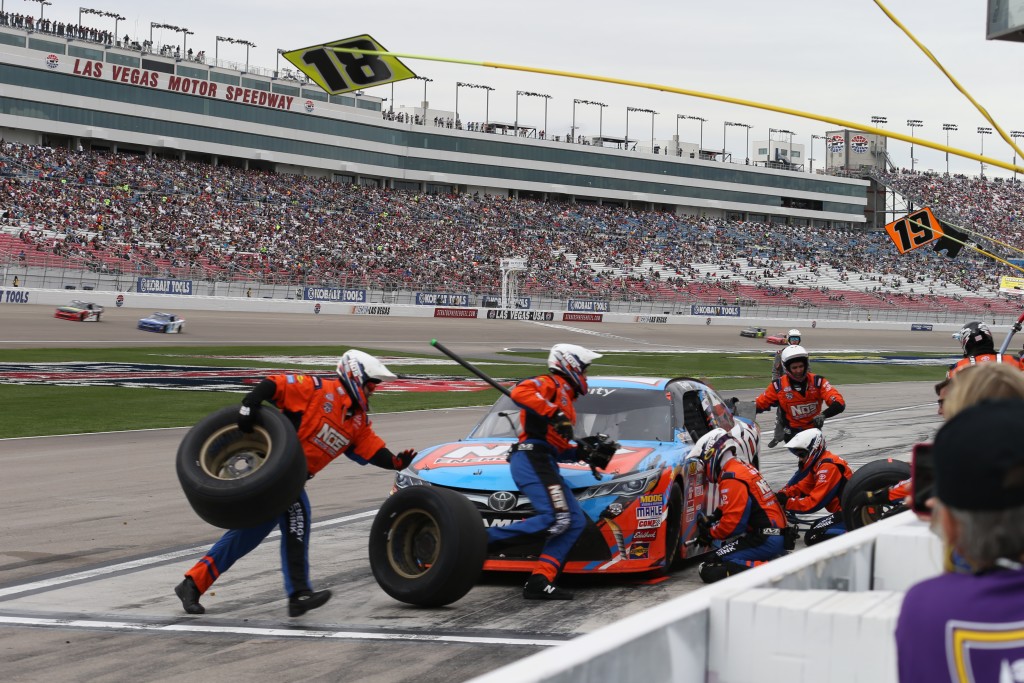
(154, 214)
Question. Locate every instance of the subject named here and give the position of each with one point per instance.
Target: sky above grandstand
(841, 59)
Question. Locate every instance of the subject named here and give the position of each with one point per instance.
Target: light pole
(184, 31)
(700, 143)
(487, 88)
(948, 127)
(983, 131)
(879, 121)
(912, 124)
(747, 148)
(425, 81)
(113, 15)
(600, 116)
(224, 39)
(641, 111)
(42, 6)
(813, 138)
(525, 93)
(1014, 134)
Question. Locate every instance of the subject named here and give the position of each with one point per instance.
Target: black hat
(979, 457)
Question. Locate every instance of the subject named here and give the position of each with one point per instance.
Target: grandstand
(248, 197)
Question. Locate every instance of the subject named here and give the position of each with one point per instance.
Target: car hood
(482, 464)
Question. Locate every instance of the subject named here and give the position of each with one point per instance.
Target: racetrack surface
(97, 531)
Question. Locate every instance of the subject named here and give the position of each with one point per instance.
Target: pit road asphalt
(97, 531)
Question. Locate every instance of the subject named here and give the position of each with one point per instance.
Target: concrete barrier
(829, 589)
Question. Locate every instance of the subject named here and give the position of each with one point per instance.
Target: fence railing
(56, 274)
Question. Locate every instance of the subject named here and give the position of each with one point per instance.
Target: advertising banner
(334, 294)
(436, 299)
(715, 309)
(594, 306)
(155, 285)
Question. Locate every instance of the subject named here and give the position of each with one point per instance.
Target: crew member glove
(562, 425)
(782, 498)
(247, 418)
(704, 530)
(819, 421)
(597, 451)
(402, 460)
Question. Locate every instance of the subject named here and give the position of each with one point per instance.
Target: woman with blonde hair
(987, 382)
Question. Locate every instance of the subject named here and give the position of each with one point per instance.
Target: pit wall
(825, 613)
(13, 296)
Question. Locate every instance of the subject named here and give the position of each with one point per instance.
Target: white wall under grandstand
(825, 613)
(12, 296)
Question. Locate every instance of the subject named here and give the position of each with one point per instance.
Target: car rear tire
(873, 476)
(427, 546)
(236, 480)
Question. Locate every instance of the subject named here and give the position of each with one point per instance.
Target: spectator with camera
(969, 625)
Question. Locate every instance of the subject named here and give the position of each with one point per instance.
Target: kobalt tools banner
(153, 285)
(357, 296)
(702, 309)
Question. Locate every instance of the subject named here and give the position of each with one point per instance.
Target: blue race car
(168, 323)
(642, 512)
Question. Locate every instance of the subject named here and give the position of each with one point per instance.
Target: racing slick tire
(236, 480)
(427, 546)
(873, 476)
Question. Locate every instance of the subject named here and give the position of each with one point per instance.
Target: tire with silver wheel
(236, 480)
(427, 546)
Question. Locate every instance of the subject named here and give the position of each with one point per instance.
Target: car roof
(651, 383)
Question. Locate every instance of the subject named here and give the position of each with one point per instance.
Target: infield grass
(40, 410)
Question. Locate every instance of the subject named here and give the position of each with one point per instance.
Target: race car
(167, 323)
(81, 311)
(756, 332)
(779, 338)
(642, 511)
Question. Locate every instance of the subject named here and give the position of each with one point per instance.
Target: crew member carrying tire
(799, 394)
(748, 527)
(330, 418)
(979, 347)
(818, 483)
(544, 439)
(793, 338)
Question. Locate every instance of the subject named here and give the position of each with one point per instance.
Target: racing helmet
(792, 353)
(976, 338)
(355, 370)
(808, 446)
(571, 361)
(714, 449)
(793, 337)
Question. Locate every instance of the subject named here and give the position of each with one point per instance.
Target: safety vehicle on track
(168, 323)
(82, 311)
(642, 511)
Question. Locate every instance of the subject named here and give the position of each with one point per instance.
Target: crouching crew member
(817, 484)
(747, 527)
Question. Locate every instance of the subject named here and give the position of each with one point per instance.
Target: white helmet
(571, 361)
(792, 353)
(793, 334)
(355, 369)
(714, 448)
(808, 445)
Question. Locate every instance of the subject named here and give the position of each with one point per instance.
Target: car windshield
(163, 316)
(622, 414)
